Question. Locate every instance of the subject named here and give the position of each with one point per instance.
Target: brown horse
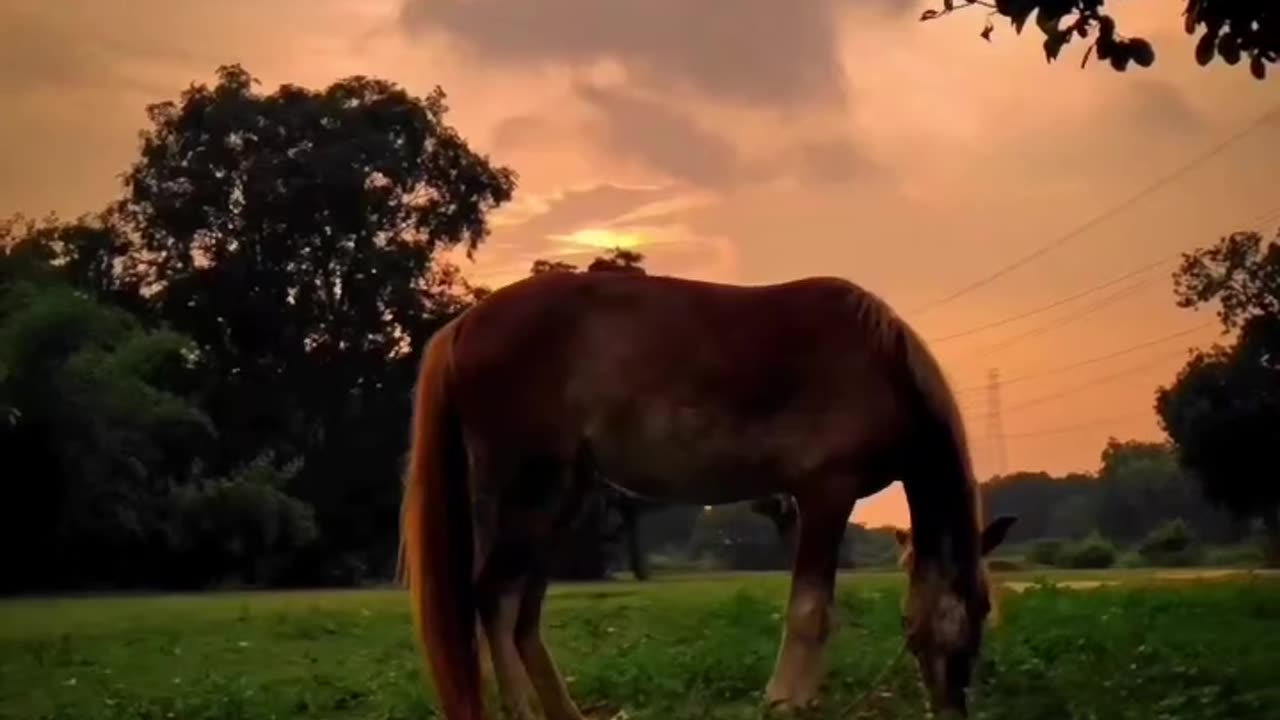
(688, 392)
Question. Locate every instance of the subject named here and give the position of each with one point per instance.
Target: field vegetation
(1137, 646)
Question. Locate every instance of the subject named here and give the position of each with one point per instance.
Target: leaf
(986, 32)
(1142, 52)
(1106, 46)
(1053, 45)
(949, 5)
(928, 14)
(1229, 49)
(1120, 57)
(1085, 60)
(1257, 67)
(1204, 49)
(1106, 26)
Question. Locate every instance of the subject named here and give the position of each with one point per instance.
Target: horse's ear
(902, 536)
(994, 533)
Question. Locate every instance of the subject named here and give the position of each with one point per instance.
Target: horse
(682, 391)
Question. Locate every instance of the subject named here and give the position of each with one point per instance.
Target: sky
(813, 137)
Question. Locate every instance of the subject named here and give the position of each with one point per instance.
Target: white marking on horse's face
(950, 622)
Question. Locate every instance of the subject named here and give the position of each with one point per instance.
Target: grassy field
(702, 647)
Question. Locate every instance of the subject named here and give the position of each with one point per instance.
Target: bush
(1046, 552)
(1092, 553)
(1235, 556)
(239, 528)
(1005, 565)
(1170, 545)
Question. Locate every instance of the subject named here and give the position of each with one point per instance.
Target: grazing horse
(688, 392)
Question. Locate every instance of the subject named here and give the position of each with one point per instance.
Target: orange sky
(787, 139)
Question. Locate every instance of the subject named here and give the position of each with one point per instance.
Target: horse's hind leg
(526, 527)
(557, 704)
(501, 588)
(799, 669)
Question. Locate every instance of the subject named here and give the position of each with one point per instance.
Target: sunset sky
(833, 137)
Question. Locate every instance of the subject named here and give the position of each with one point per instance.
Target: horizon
(861, 143)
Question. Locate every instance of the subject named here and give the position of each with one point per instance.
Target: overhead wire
(1091, 360)
(1087, 425)
(1151, 188)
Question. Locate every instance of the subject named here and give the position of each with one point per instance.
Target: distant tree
(618, 260)
(546, 266)
(94, 429)
(1234, 30)
(1141, 488)
(1045, 505)
(1223, 409)
(294, 236)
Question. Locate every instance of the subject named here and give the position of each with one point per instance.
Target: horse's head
(944, 616)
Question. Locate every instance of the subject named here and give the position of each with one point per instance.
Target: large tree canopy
(1237, 31)
(294, 237)
(1223, 410)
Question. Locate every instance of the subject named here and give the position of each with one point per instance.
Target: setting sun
(604, 239)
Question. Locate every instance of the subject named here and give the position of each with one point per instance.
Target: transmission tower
(995, 426)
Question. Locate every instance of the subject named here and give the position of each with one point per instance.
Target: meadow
(1139, 647)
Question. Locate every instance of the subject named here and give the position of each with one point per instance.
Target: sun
(604, 239)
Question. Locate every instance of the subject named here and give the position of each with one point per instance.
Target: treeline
(209, 381)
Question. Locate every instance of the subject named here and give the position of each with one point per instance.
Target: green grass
(675, 648)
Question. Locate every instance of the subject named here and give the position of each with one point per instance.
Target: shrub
(1171, 544)
(1045, 552)
(1005, 565)
(237, 528)
(1093, 552)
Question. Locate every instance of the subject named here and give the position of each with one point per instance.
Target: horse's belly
(679, 468)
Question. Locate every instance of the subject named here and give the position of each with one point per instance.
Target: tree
(1141, 488)
(1223, 409)
(293, 237)
(94, 428)
(1234, 30)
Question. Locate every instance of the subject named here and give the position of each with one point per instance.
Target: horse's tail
(436, 545)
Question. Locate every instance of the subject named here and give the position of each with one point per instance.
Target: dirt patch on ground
(1019, 586)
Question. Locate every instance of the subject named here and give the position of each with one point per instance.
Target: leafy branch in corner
(1233, 30)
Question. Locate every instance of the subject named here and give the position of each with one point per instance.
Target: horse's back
(708, 377)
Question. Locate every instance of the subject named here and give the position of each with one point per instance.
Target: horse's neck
(944, 527)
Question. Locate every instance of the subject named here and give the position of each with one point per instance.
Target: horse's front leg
(799, 669)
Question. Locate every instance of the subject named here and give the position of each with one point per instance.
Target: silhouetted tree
(293, 236)
(1234, 30)
(1223, 410)
(94, 429)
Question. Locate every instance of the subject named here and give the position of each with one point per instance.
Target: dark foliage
(1237, 31)
(1223, 409)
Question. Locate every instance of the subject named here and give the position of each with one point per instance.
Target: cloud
(1159, 105)
(594, 206)
(758, 52)
(659, 136)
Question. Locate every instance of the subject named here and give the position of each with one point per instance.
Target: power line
(1087, 385)
(1105, 214)
(1111, 299)
(1076, 427)
(1055, 303)
(1093, 360)
(1258, 220)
